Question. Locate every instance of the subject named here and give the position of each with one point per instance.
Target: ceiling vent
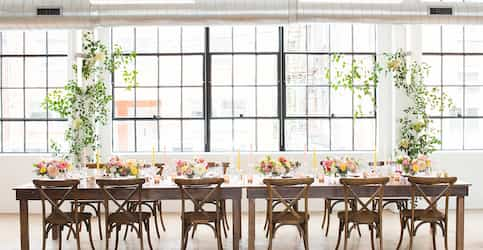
(440, 11)
(48, 12)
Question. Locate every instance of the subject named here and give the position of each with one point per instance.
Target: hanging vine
(86, 104)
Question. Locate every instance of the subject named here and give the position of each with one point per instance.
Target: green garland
(87, 105)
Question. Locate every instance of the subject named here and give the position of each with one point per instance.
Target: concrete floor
(286, 238)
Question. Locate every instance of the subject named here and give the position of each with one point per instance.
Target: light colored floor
(286, 238)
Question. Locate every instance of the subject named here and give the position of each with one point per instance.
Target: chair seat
(289, 218)
(128, 218)
(199, 217)
(360, 217)
(424, 215)
(59, 219)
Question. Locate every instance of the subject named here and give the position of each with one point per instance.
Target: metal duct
(83, 14)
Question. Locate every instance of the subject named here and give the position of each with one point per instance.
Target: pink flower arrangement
(51, 168)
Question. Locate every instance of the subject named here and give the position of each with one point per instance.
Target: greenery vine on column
(85, 102)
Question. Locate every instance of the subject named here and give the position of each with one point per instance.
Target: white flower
(99, 57)
(76, 123)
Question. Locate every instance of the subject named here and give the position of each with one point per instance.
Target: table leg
(460, 223)
(251, 224)
(24, 225)
(236, 213)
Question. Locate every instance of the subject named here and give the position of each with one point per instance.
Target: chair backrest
(199, 192)
(67, 189)
(160, 167)
(353, 191)
(418, 185)
(289, 202)
(225, 165)
(94, 165)
(122, 192)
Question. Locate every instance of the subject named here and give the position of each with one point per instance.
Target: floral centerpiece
(52, 168)
(412, 166)
(117, 167)
(333, 166)
(269, 166)
(405, 163)
(197, 167)
(287, 165)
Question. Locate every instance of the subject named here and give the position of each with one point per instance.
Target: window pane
(58, 69)
(243, 38)
(435, 125)
(452, 70)
(221, 39)
(192, 102)
(35, 72)
(267, 70)
(318, 37)
(221, 101)
(244, 101)
(58, 41)
(193, 136)
(434, 76)
(56, 134)
(244, 69)
(33, 103)
(170, 102)
(170, 135)
(12, 72)
(364, 134)
(193, 39)
(365, 104)
(456, 95)
(364, 37)
(12, 42)
(36, 136)
(52, 114)
(12, 103)
(295, 134)
(317, 65)
(123, 136)
(341, 102)
(146, 39)
(473, 101)
(295, 37)
(452, 38)
(146, 136)
(244, 131)
(146, 102)
(267, 100)
(473, 38)
(192, 70)
(267, 38)
(13, 136)
(124, 37)
(431, 38)
(296, 101)
(341, 37)
(318, 98)
(221, 135)
(35, 42)
(221, 70)
(319, 136)
(341, 134)
(124, 102)
(296, 67)
(170, 70)
(452, 133)
(147, 70)
(473, 134)
(169, 39)
(267, 135)
(118, 75)
(473, 73)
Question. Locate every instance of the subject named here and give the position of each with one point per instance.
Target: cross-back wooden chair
(121, 193)
(361, 212)
(200, 192)
(154, 206)
(290, 215)
(431, 214)
(58, 217)
(95, 205)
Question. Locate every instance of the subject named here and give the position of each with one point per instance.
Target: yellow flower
(343, 167)
(99, 57)
(404, 143)
(43, 170)
(76, 123)
(134, 171)
(415, 168)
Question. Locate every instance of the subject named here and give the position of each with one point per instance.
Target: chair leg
(89, 230)
(306, 235)
(125, 232)
(160, 210)
(325, 214)
(433, 234)
(98, 214)
(148, 233)
(371, 228)
(341, 228)
(118, 228)
(60, 237)
(44, 237)
(186, 236)
(270, 230)
(218, 235)
(445, 234)
(193, 233)
(155, 215)
(225, 217)
(329, 211)
(401, 235)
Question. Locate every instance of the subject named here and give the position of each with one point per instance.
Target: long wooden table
(26, 193)
(320, 191)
